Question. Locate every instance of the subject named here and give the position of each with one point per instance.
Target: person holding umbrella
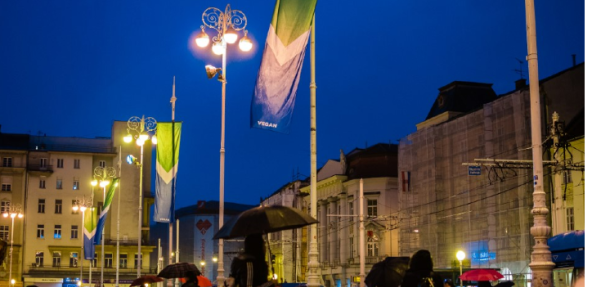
(421, 271)
(250, 269)
(190, 279)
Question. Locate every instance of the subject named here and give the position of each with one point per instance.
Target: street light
(12, 211)
(102, 177)
(141, 127)
(82, 205)
(226, 23)
(460, 255)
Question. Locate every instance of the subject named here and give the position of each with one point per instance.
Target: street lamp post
(141, 128)
(82, 205)
(460, 255)
(102, 177)
(226, 23)
(13, 211)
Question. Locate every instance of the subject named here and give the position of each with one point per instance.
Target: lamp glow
(4, 214)
(20, 215)
(104, 183)
(94, 182)
(202, 39)
(154, 139)
(215, 259)
(83, 208)
(230, 36)
(128, 138)
(144, 136)
(12, 281)
(140, 142)
(218, 48)
(12, 215)
(202, 263)
(245, 43)
(460, 255)
(75, 207)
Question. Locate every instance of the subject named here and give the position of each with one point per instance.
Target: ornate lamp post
(82, 204)
(141, 127)
(13, 211)
(103, 177)
(226, 24)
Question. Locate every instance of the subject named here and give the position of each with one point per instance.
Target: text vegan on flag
(167, 162)
(279, 74)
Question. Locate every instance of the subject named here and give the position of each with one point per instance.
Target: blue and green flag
(90, 230)
(279, 74)
(167, 162)
(105, 211)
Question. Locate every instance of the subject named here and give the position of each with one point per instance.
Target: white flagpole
(173, 100)
(313, 252)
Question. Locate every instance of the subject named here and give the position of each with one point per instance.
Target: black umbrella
(388, 272)
(264, 219)
(179, 270)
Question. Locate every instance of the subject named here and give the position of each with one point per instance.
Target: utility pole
(559, 221)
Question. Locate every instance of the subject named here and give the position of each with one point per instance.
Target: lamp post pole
(141, 127)
(82, 205)
(102, 176)
(460, 255)
(226, 23)
(13, 211)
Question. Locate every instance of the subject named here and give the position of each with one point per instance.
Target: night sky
(69, 68)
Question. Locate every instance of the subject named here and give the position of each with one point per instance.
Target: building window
(7, 162)
(6, 187)
(39, 258)
(40, 231)
(74, 232)
(136, 260)
(58, 206)
(102, 163)
(58, 183)
(42, 182)
(77, 164)
(372, 207)
(73, 259)
(123, 261)
(60, 163)
(57, 232)
(41, 206)
(4, 232)
(76, 184)
(57, 259)
(351, 211)
(569, 216)
(108, 260)
(4, 206)
(567, 176)
(351, 247)
(43, 162)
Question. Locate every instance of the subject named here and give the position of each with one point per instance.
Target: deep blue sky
(69, 68)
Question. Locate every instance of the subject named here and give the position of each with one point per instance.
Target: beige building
(56, 172)
(483, 211)
(338, 190)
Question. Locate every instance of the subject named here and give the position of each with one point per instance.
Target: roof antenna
(519, 71)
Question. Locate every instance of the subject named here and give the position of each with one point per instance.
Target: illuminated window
(40, 231)
(57, 232)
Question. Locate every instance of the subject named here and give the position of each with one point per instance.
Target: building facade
(55, 174)
(338, 193)
(483, 210)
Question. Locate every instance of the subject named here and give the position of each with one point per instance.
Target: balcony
(40, 169)
(12, 168)
(67, 271)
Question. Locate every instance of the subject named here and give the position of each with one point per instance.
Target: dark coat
(239, 270)
(414, 278)
(190, 284)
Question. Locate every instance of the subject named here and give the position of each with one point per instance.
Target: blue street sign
(474, 170)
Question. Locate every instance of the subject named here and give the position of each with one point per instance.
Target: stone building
(484, 211)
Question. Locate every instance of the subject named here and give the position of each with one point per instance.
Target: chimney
(520, 84)
(573, 59)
